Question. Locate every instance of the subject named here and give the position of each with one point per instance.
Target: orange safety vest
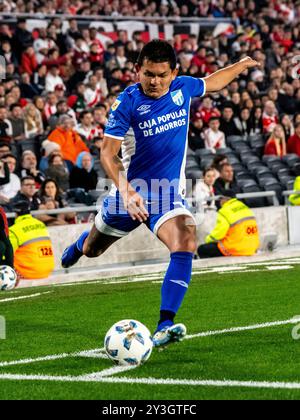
(34, 257)
(236, 232)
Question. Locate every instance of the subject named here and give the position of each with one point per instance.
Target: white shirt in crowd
(11, 189)
(214, 139)
(202, 193)
(52, 81)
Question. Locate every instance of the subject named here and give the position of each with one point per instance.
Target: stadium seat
(253, 202)
(203, 153)
(230, 140)
(246, 182)
(270, 158)
(263, 173)
(240, 146)
(224, 151)
(276, 166)
(254, 166)
(287, 182)
(238, 167)
(296, 169)
(246, 155)
(272, 185)
(291, 159)
(192, 163)
(206, 163)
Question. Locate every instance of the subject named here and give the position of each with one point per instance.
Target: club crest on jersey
(177, 97)
(115, 105)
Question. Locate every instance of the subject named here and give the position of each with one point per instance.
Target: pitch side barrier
(203, 21)
(96, 208)
(287, 194)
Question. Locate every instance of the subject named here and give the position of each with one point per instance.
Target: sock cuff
(182, 255)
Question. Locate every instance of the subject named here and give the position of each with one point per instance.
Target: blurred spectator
(204, 190)
(61, 109)
(206, 110)
(256, 121)
(270, 117)
(29, 168)
(10, 190)
(53, 79)
(50, 106)
(227, 125)
(217, 163)
(27, 193)
(225, 185)
(51, 199)
(17, 122)
(28, 89)
(5, 126)
(243, 122)
(83, 175)
(22, 37)
(4, 149)
(276, 145)
(287, 126)
(58, 171)
(92, 94)
(294, 141)
(33, 253)
(87, 130)
(28, 61)
(33, 121)
(213, 137)
(48, 148)
(196, 135)
(69, 141)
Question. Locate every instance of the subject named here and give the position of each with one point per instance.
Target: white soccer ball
(128, 342)
(8, 278)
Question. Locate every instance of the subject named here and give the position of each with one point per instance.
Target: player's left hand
(249, 63)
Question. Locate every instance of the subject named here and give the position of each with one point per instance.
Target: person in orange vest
(236, 232)
(69, 140)
(33, 252)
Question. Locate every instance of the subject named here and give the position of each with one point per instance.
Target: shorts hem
(170, 215)
(104, 228)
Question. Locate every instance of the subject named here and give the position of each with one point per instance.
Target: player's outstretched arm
(113, 167)
(221, 78)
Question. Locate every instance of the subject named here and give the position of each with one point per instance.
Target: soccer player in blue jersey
(149, 121)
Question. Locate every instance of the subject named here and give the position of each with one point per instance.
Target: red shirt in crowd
(293, 145)
(271, 149)
(269, 122)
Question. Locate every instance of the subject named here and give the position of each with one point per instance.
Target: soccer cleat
(169, 335)
(74, 252)
(70, 256)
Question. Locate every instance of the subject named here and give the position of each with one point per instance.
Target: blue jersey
(154, 134)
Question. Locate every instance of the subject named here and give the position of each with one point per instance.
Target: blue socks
(80, 241)
(176, 283)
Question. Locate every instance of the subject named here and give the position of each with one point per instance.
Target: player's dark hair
(158, 51)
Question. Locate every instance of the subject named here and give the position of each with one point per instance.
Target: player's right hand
(134, 204)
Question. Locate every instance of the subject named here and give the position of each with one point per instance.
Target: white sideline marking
(100, 353)
(86, 353)
(107, 372)
(153, 381)
(240, 329)
(24, 297)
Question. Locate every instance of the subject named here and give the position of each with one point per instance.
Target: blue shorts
(113, 219)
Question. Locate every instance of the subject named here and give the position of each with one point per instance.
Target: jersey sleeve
(195, 86)
(119, 118)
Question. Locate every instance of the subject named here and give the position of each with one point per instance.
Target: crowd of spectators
(60, 85)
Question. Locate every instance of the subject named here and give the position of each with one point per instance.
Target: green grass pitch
(74, 318)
